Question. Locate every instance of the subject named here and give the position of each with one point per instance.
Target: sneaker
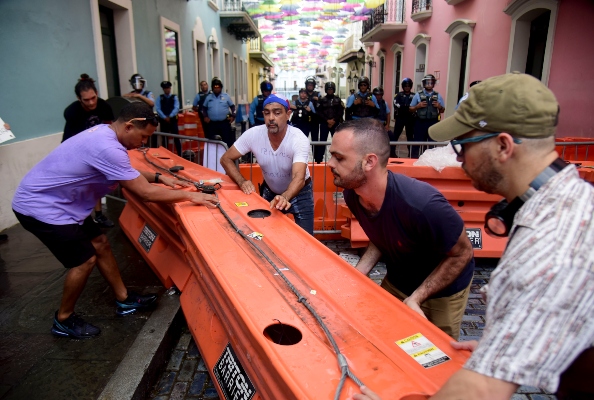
(135, 302)
(74, 327)
(103, 221)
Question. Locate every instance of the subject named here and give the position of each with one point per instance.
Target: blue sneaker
(74, 327)
(135, 302)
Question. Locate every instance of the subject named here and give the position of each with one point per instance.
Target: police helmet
(329, 85)
(266, 86)
(406, 82)
(216, 82)
(427, 78)
(137, 81)
(310, 80)
(166, 84)
(364, 81)
(378, 90)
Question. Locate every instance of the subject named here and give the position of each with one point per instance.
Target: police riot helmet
(406, 82)
(310, 80)
(216, 82)
(329, 85)
(137, 82)
(378, 90)
(428, 78)
(266, 86)
(364, 81)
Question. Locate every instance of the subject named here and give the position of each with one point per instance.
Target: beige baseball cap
(515, 103)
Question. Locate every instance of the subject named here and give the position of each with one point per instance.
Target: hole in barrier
(259, 213)
(283, 334)
(461, 203)
(396, 162)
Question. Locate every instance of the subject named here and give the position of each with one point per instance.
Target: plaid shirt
(540, 303)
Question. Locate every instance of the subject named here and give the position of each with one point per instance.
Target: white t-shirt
(277, 165)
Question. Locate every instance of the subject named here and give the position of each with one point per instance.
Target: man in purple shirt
(55, 199)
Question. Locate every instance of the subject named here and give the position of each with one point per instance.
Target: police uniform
(167, 106)
(314, 124)
(256, 116)
(426, 117)
(329, 107)
(362, 110)
(403, 117)
(301, 118)
(217, 109)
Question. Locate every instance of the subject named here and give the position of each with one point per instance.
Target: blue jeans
(302, 206)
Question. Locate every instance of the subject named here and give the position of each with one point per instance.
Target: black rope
(342, 362)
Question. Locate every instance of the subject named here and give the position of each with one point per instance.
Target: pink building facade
(460, 41)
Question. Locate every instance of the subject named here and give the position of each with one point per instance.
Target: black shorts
(71, 244)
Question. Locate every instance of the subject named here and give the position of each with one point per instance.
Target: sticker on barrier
(147, 238)
(232, 378)
(422, 350)
(475, 237)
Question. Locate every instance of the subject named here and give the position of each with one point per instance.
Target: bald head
(369, 137)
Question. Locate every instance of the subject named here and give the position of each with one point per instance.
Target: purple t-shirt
(64, 187)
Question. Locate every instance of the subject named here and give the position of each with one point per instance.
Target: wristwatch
(157, 175)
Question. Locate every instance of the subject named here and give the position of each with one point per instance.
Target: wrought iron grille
(420, 5)
(376, 18)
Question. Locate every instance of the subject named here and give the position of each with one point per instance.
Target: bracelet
(157, 175)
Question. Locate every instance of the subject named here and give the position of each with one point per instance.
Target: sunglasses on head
(151, 120)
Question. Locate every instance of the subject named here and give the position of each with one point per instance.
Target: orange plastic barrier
(575, 152)
(256, 337)
(329, 205)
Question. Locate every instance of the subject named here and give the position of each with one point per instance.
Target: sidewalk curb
(149, 353)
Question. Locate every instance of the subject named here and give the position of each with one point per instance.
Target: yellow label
(241, 204)
(408, 339)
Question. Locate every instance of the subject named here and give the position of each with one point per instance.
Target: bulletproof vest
(203, 97)
(301, 114)
(314, 119)
(260, 107)
(362, 110)
(331, 108)
(428, 112)
(404, 101)
(381, 114)
(167, 104)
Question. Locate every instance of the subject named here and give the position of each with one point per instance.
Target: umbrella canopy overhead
(299, 35)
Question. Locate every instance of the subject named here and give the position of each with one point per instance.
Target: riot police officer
(303, 112)
(428, 104)
(140, 91)
(330, 110)
(256, 115)
(403, 117)
(314, 96)
(362, 104)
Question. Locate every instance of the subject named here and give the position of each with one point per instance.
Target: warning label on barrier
(241, 204)
(231, 377)
(422, 350)
(256, 235)
(147, 238)
(475, 237)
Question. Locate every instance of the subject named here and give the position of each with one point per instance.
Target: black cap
(166, 84)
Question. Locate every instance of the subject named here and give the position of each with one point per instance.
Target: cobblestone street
(186, 376)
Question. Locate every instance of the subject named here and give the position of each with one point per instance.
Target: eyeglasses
(151, 120)
(458, 145)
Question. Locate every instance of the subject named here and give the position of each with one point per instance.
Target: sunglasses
(458, 145)
(151, 120)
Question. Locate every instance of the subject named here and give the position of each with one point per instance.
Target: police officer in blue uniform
(167, 106)
(256, 115)
(428, 105)
(219, 112)
(362, 104)
(140, 91)
(403, 117)
(330, 110)
(199, 100)
(303, 112)
(314, 96)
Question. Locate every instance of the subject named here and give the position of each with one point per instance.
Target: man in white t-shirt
(282, 152)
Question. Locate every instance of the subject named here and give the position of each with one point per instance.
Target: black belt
(308, 180)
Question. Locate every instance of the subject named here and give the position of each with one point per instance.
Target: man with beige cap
(540, 300)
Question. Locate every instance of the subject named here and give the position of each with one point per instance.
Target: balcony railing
(255, 45)
(420, 6)
(232, 5)
(390, 12)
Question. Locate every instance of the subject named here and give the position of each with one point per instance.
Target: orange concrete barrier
(255, 335)
(575, 152)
